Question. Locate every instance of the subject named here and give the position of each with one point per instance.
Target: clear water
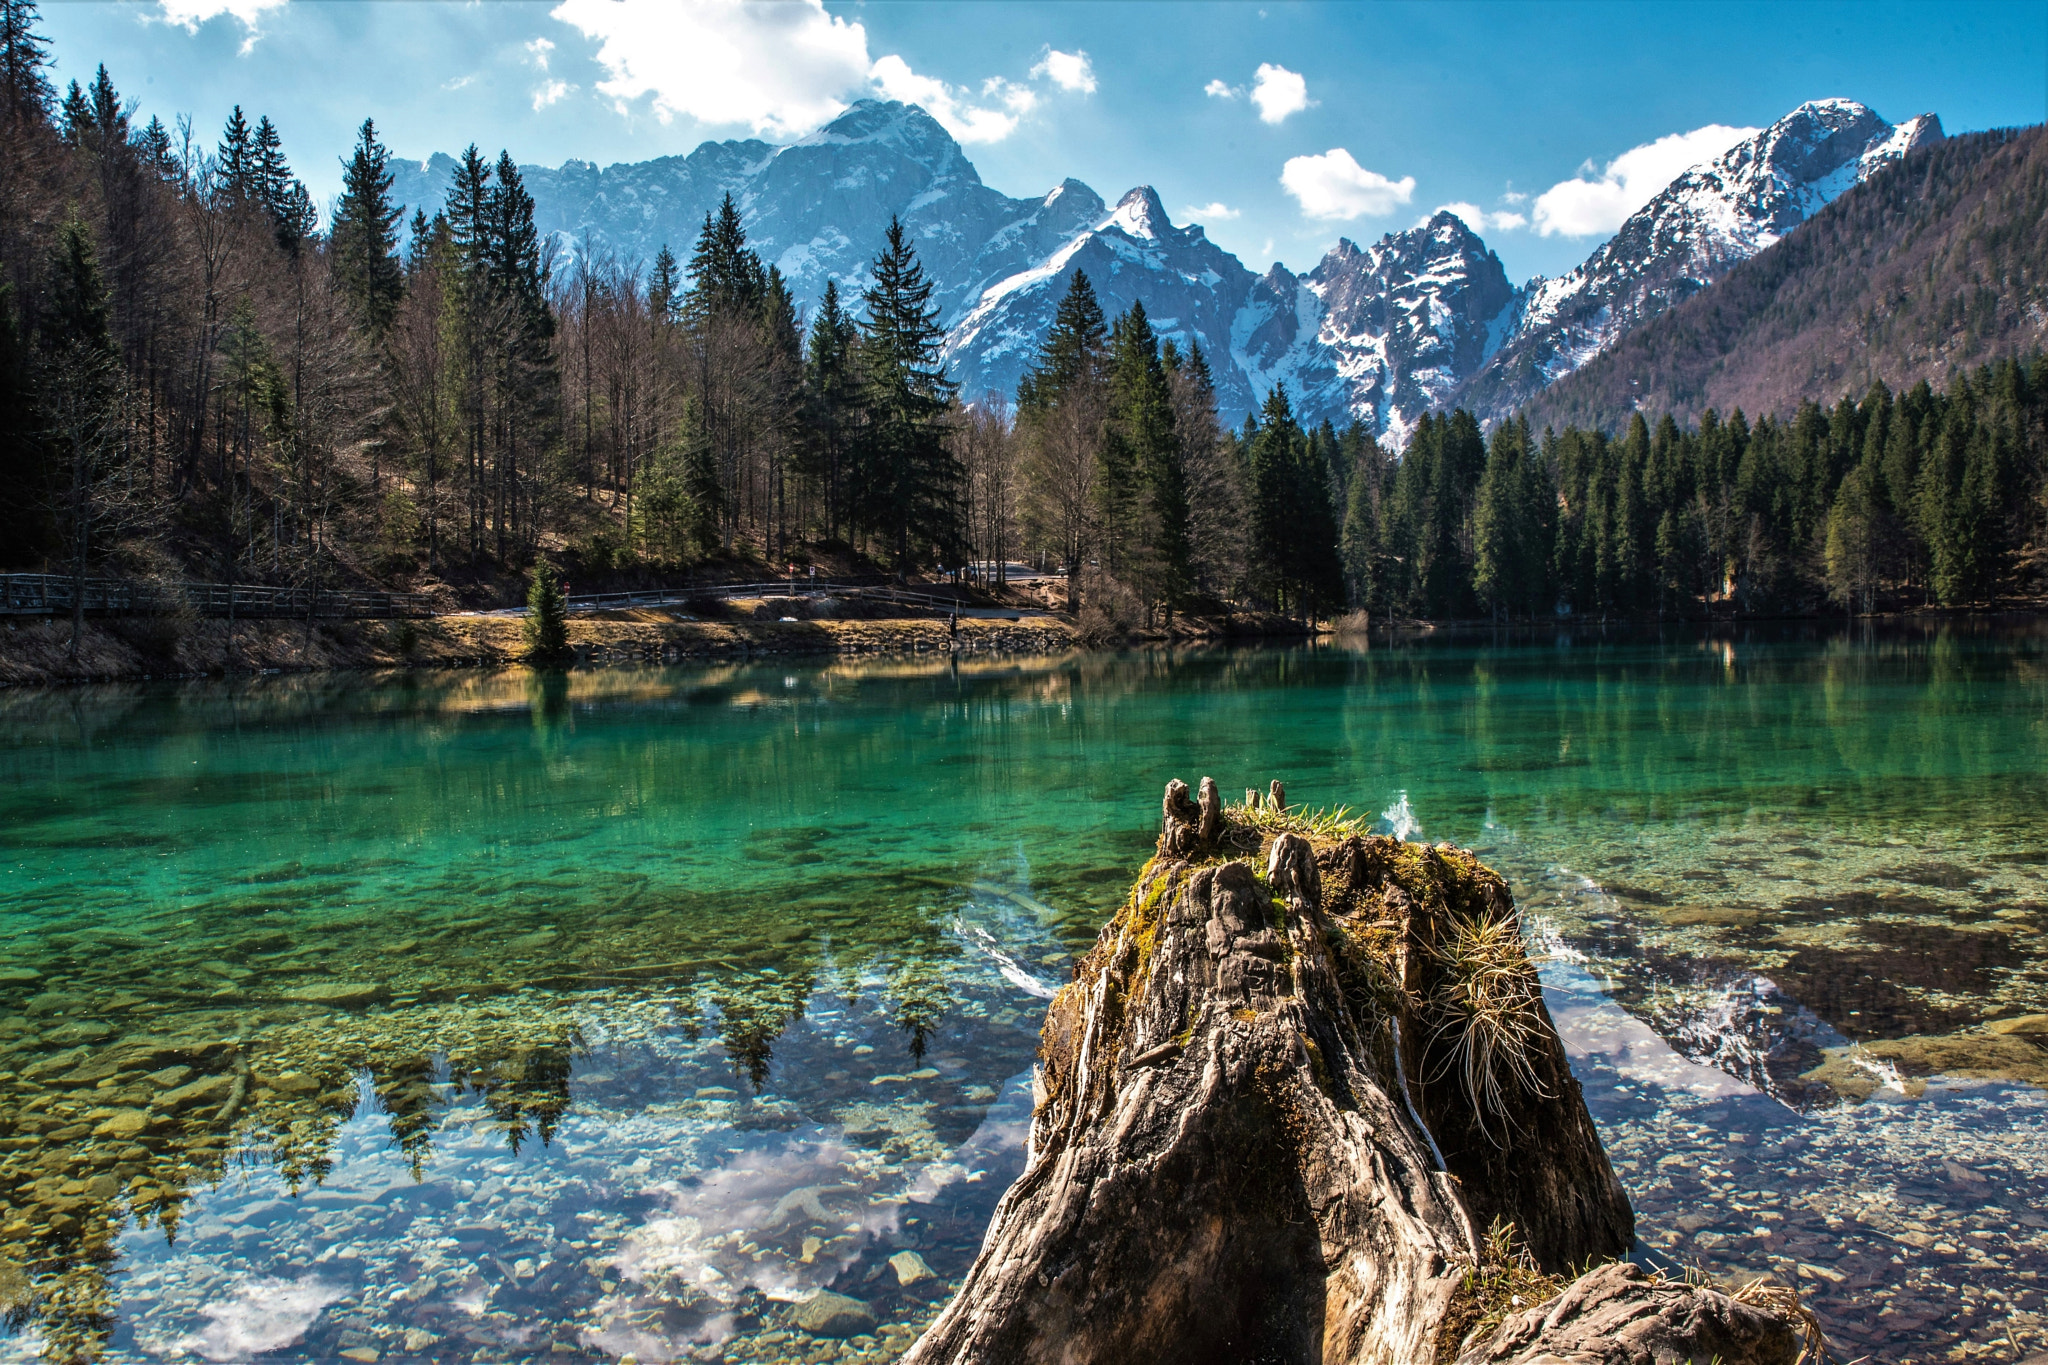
(494, 1016)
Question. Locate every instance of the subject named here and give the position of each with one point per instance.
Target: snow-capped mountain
(1421, 319)
(1701, 226)
(1381, 334)
(1194, 293)
(817, 208)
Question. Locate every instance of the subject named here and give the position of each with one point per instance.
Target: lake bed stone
(341, 994)
(910, 1268)
(834, 1315)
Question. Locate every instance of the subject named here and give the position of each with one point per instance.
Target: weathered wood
(1617, 1315)
(1259, 1134)
(1211, 804)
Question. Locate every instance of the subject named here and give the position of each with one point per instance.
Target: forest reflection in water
(256, 932)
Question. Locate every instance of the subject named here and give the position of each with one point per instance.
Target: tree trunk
(1280, 1103)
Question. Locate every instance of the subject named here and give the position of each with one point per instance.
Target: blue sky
(1279, 126)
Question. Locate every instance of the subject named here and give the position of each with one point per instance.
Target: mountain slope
(1707, 221)
(1939, 262)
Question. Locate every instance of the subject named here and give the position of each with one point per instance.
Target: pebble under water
(677, 1014)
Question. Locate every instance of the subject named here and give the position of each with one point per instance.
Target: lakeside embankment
(128, 650)
(134, 649)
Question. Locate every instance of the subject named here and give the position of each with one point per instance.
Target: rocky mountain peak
(1140, 214)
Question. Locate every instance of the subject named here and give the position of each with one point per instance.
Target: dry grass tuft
(1486, 1000)
(1505, 1281)
(1784, 1300)
(1259, 820)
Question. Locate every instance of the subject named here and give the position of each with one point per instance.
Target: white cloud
(1479, 220)
(1221, 90)
(1583, 207)
(1278, 92)
(190, 14)
(948, 104)
(1218, 212)
(459, 82)
(780, 69)
(549, 92)
(1334, 185)
(540, 48)
(1067, 70)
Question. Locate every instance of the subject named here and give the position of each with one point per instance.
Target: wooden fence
(43, 594)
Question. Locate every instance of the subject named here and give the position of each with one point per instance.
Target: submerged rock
(341, 994)
(1279, 1104)
(834, 1315)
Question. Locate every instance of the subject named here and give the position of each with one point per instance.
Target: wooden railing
(42, 594)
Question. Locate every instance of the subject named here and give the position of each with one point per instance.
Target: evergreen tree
(78, 387)
(665, 284)
(905, 394)
(236, 162)
(1294, 528)
(153, 148)
(283, 197)
(25, 92)
(363, 245)
(830, 392)
(726, 276)
(1144, 477)
(1072, 352)
(75, 116)
(546, 627)
(1060, 415)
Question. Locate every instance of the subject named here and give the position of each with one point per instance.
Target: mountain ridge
(1423, 318)
(1933, 266)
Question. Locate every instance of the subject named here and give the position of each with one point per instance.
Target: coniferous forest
(201, 379)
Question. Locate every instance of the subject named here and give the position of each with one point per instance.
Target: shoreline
(143, 649)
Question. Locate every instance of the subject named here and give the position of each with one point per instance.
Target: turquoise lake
(490, 1016)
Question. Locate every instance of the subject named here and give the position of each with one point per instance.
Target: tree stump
(1277, 1110)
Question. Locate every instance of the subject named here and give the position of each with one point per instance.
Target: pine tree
(905, 395)
(726, 277)
(25, 92)
(829, 397)
(664, 287)
(153, 148)
(282, 196)
(78, 384)
(546, 627)
(236, 164)
(363, 244)
(1143, 463)
(75, 116)
(1072, 352)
